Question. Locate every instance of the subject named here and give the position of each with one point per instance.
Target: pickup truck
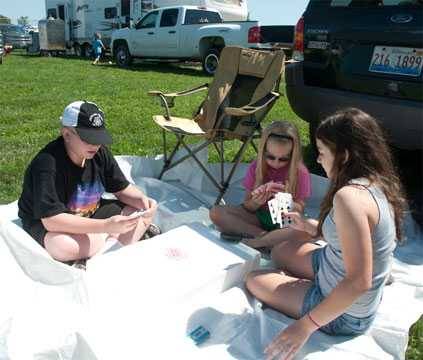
(183, 33)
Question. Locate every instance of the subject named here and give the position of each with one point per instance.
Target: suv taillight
(298, 53)
(254, 34)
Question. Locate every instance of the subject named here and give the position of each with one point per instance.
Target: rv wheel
(86, 51)
(211, 61)
(123, 57)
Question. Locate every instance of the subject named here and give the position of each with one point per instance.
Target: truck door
(167, 34)
(143, 37)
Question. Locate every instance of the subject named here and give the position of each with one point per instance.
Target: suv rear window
(365, 3)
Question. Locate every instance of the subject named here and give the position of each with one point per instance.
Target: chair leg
(236, 161)
(168, 160)
(192, 154)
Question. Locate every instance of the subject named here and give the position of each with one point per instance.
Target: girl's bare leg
(278, 290)
(278, 236)
(235, 220)
(282, 292)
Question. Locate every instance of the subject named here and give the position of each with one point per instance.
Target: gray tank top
(332, 270)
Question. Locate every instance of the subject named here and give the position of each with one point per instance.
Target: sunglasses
(279, 159)
(281, 136)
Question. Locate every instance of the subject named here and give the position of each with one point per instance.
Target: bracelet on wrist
(313, 321)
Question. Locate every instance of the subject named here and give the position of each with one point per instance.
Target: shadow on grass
(179, 68)
(59, 56)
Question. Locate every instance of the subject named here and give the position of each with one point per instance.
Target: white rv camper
(83, 18)
(231, 10)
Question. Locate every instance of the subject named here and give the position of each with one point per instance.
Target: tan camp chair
(243, 91)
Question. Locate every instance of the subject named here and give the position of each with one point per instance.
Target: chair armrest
(180, 93)
(167, 100)
(250, 109)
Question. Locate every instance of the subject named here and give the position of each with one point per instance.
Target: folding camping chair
(243, 91)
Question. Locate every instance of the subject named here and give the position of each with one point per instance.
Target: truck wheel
(211, 61)
(123, 57)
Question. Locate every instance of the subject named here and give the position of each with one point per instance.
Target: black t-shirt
(53, 184)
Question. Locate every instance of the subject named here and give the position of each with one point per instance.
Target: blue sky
(279, 12)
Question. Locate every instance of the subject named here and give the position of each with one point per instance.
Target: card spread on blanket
(282, 202)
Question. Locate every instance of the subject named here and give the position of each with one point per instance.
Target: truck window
(169, 18)
(110, 13)
(51, 13)
(149, 21)
(201, 17)
(364, 3)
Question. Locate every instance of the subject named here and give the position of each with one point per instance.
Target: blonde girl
(278, 168)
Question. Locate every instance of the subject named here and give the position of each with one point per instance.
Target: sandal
(152, 231)
(236, 238)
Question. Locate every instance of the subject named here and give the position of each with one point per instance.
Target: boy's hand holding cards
(137, 214)
(281, 203)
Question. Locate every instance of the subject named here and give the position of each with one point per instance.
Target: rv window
(169, 18)
(229, 2)
(110, 13)
(125, 7)
(149, 21)
(51, 13)
(61, 12)
(201, 17)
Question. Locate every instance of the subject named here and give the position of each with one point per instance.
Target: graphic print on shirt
(85, 200)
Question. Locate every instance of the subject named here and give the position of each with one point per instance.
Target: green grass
(34, 91)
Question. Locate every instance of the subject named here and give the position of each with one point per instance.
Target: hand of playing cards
(281, 203)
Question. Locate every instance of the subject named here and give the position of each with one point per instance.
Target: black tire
(122, 56)
(86, 51)
(211, 61)
(311, 150)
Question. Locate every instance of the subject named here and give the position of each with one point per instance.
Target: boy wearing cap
(61, 204)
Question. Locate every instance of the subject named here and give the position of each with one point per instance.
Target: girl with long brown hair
(337, 288)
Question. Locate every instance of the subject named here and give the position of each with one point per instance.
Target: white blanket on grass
(140, 301)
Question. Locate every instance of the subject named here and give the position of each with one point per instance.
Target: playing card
(284, 201)
(273, 209)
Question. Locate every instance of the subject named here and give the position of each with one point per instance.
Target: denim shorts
(344, 324)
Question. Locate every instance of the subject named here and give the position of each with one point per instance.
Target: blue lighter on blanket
(199, 335)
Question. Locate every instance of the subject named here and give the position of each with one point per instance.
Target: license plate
(397, 60)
